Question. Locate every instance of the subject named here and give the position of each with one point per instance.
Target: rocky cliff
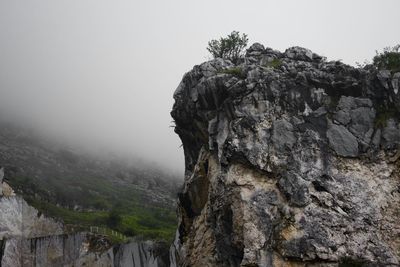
(291, 160)
(75, 250)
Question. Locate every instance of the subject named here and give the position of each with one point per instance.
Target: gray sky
(103, 72)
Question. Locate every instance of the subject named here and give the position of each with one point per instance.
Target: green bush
(230, 47)
(389, 59)
(114, 219)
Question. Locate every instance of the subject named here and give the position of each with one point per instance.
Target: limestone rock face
(290, 160)
(18, 219)
(73, 250)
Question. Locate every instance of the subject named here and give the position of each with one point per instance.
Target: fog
(102, 73)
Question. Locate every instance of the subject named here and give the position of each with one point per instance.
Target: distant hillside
(83, 189)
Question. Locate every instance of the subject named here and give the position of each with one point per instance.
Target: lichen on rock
(288, 164)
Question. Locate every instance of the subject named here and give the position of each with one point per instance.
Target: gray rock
(391, 133)
(255, 49)
(342, 117)
(362, 120)
(72, 251)
(286, 186)
(396, 82)
(349, 103)
(384, 76)
(282, 135)
(18, 219)
(299, 53)
(358, 115)
(319, 112)
(295, 189)
(342, 141)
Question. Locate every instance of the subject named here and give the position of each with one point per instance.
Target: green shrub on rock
(389, 59)
(230, 47)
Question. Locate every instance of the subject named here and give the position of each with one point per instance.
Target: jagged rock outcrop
(18, 219)
(291, 160)
(74, 250)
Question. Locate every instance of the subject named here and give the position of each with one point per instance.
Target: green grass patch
(235, 71)
(95, 200)
(149, 223)
(275, 63)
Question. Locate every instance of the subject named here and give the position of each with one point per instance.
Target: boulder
(342, 141)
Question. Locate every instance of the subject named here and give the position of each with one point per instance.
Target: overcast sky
(103, 72)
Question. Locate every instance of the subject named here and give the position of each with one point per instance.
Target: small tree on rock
(389, 59)
(230, 47)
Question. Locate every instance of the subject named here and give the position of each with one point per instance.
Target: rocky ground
(291, 160)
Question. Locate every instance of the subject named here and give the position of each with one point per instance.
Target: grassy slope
(81, 190)
(139, 217)
(155, 223)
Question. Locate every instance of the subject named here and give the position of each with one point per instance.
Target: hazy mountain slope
(62, 182)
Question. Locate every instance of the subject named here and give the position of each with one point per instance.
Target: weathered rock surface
(73, 250)
(18, 219)
(290, 161)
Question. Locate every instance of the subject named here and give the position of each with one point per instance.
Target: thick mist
(102, 73)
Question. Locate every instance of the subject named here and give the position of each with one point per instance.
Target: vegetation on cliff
(230, 47)
(388, 59)
(85, 191)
